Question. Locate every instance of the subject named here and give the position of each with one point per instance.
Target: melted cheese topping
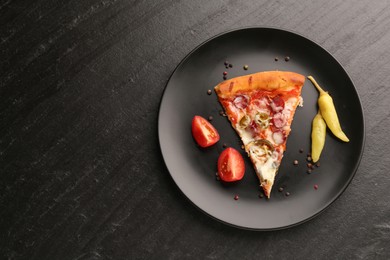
(267, 170)
(266, 167)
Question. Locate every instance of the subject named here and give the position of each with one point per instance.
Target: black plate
(193, 168)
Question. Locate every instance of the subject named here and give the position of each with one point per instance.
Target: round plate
(194, 169)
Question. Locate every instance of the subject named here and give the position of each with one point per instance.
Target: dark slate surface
(82, 176)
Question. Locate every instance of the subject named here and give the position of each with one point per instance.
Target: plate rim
(354, 170)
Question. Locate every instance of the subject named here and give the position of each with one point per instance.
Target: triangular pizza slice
(261, 107)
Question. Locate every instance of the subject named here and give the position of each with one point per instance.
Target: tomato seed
(287, 58)
(224, 145)
(276, 58)
(224, 73)
(309, 171)
(316, 187)
(210, 118)
(287, 194)
(209, 92)
(301, 150)
(246, 67)
(280, 189)
(295, 162)
(236, 197)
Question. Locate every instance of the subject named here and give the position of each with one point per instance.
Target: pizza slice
(261, 107)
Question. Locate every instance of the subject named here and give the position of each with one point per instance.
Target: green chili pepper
(244, 121)
(328, 112)
(262, 119)
(317, 137)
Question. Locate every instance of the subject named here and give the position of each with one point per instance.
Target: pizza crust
(268, 81)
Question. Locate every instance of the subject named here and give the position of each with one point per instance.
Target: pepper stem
(316, 85)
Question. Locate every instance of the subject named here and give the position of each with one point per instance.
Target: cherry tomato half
(203, 132)
(231, 165)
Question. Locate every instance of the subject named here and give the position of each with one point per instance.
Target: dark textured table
(81, 172)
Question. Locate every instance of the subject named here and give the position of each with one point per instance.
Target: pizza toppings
(261, 149)
(262, 119)
(241, 102)
(278, 137)
(277, 104)
(279, 120)
(244, 122)
(203, 132)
